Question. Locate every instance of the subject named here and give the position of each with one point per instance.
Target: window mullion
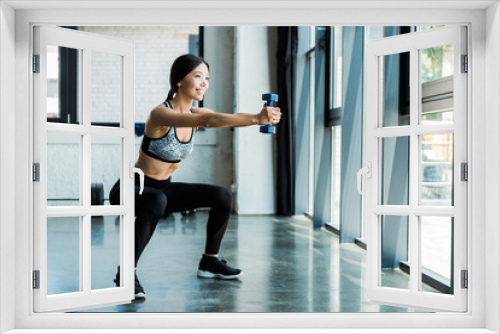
(414, 242)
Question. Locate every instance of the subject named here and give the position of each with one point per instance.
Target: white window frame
(483, 103)
(86, 43)
(414, 210)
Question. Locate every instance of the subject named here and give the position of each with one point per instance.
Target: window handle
(141, 175)
(368, 171)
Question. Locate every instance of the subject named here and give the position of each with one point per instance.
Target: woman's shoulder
(161, 109)
(163, 105)
(153, 128)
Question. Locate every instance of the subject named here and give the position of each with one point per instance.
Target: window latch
(368, 171)
(141, 175)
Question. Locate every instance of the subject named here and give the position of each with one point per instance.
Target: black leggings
(160, 198)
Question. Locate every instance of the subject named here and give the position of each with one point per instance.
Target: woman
(168, 139)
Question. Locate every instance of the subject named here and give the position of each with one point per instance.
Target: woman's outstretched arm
(202, 117)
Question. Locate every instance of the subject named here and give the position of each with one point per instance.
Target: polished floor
(288, 267)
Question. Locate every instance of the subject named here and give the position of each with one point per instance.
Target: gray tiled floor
(288, 267)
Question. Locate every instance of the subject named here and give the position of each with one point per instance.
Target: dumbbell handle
(269, 98)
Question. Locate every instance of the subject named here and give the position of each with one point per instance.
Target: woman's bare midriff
(155, 168)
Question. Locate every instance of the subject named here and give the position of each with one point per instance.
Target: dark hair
(181, 67)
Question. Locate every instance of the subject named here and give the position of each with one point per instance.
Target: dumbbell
(269, 98)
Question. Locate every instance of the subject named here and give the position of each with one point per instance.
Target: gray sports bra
(167, 148)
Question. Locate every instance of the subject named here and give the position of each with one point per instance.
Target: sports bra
(168, 148)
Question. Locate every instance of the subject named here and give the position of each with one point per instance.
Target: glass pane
(437, 69)
(394, 254)
(336, 174)
(106, 88)
(105, 239)
(395, 92)
(395, 170)
(436, 254)
(437, 169)
(337, 66)
(63, 83)
(106, 166)
(63, 255)
(63, 169)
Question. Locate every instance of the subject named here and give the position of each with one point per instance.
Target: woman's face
(195, 84)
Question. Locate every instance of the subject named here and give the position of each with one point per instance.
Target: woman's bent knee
(224, 197)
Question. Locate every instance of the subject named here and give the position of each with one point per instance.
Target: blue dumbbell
(269, 98)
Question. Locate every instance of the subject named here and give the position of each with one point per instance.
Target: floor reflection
(288, 267)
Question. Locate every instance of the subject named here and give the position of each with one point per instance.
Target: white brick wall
(155, 50)
(105, 87)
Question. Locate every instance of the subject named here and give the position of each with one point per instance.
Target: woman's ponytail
(171, 93)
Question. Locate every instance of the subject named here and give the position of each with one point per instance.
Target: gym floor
(288, 267)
